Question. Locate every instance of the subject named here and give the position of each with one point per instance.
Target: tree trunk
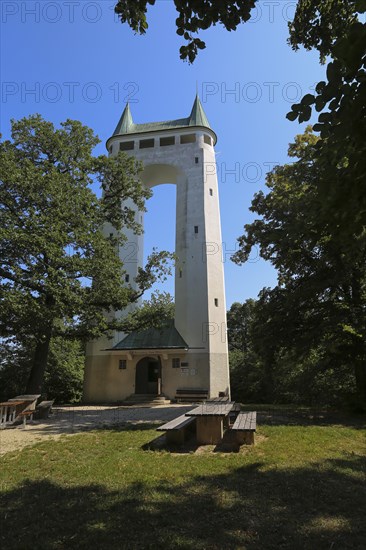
(36, 377)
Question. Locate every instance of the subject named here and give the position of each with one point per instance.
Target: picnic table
(11, 410)
(31, 398)
(210, 418)
(8, 410)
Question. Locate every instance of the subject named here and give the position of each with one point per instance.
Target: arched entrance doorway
(148, 376)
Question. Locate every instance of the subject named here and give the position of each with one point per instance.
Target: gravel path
(74, 420)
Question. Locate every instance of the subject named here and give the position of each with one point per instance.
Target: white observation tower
(191, 353)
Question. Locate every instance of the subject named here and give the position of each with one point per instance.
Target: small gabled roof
(166, 337)
(196, 118)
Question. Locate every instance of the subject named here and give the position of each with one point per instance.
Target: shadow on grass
(309, 417)
(131, 427)
(160, 443)
(321, 507)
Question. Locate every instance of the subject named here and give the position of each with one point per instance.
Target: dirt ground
(74, 420)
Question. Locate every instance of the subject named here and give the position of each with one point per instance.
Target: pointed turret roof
(196, 118)
(125, 122)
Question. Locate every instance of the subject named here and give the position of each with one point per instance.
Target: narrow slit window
(126, 145)
(211, 192)
(111, 149)
(196, 229)
(180, 273)
(127, 278)
(196, 160)
(216, 302)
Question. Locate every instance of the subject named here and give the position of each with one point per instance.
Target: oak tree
(59, 274)
(320, 299)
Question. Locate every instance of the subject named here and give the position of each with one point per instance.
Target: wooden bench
(218, 399)
(190, 395)
(235, 411)
(25, 415)
(177, 429)
(8, 412)
(245, 427)
(233, 414)
(43, 409)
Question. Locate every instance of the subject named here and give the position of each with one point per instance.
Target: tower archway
(159, 178)
(156, 173)
(160, 229)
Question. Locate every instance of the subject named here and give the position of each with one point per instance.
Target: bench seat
(43, 409)
(245, 427)
(218, 399)
(190, 394)
(176, 430)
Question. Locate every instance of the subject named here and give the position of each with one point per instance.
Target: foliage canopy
(59, 274)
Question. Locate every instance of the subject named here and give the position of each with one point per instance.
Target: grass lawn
(301, 486)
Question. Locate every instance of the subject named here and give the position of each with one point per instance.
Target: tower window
(196, 229)
(196, 160)
(216, 302)
(167, 141)
(122, 364)
(126, 145)
(211, 192)
(176, 363)
(127, 278)
(111, 149)
(180, 273)
(146, 143)
(188, 138)
(207, 139)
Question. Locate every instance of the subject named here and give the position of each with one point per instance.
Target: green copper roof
(125, 122)
(153, 338)
(196, 118)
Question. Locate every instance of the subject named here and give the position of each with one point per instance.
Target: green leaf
(292, 115)
(305, 114)
(308, 99)
(320, 103)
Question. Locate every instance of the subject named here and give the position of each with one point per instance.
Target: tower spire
(198, 116)
(125, 122)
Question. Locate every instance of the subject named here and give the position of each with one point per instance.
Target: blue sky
(73, 59)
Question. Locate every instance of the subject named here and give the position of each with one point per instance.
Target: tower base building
(191, 353)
